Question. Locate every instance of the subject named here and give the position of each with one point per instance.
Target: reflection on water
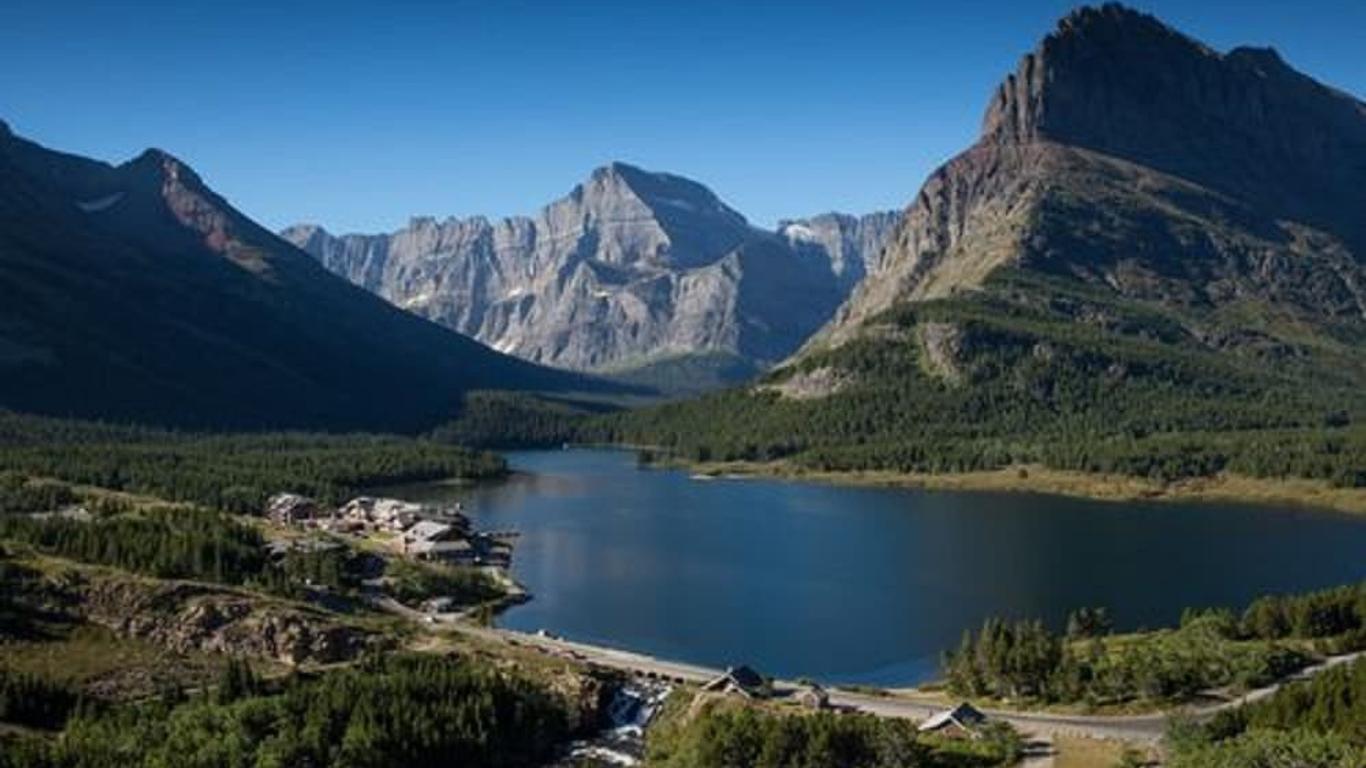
(865, 585)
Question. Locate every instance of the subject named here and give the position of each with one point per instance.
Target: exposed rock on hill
(193, 617)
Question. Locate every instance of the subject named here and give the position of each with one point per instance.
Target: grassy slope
(1034, 478)
(97, 661)
(1076, 752)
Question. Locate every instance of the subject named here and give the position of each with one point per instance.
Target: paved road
(1137, 728)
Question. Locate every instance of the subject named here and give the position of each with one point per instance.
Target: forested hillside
(1016, 374)
(403, 710)
(1320, 723)
(230, 472)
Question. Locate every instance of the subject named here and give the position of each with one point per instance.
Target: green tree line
(184, 543)
(35, 701)
(407, 711)
(721, 736)
(19, 493)
(1319, 723)
(233, 473)
(1210, 649)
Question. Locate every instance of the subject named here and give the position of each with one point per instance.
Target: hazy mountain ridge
(133, 292)
(629, 270)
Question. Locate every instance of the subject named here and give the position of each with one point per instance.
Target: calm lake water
(865, 585)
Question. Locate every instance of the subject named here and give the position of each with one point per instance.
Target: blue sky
(359, 115)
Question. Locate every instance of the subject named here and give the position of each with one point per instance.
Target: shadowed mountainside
(133, 292)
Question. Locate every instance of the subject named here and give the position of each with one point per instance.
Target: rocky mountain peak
(631, 269)
(662, 193)
(1266, 58)
(1102, 24)
(1119, 82)
(304, 236)
(1092, 50)
(636, 215)
(159, 167)
(304, 230)
(1117, 148)
(158, 181)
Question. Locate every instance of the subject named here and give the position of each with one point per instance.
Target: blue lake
(865, 585)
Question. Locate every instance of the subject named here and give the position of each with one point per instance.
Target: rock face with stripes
(630, 269)
(1137, 160)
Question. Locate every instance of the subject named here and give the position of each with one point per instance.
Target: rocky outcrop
(630, 269)
(810, 385)
(942, 345)
(852, 244)
(1244, 123)
(194, 617)
(965, 223)
(1128, 156)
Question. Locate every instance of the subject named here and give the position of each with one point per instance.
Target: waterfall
(622, 740)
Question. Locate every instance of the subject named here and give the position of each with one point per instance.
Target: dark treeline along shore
(1212, 649)
(231, 472)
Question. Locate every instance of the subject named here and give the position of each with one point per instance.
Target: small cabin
(453, 552)
(428, 531)
(813, 696)
(380, 514)
(963, 719)
(740, 680)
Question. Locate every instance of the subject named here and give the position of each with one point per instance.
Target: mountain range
(1151, 261)
(1149, 239)
(632, 271)
(135, 293)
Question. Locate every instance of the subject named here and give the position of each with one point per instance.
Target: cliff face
(852, 244)
(1128, 155)
(1244, 124)
(631, 268)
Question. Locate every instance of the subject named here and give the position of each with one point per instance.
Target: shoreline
(1033, 478)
